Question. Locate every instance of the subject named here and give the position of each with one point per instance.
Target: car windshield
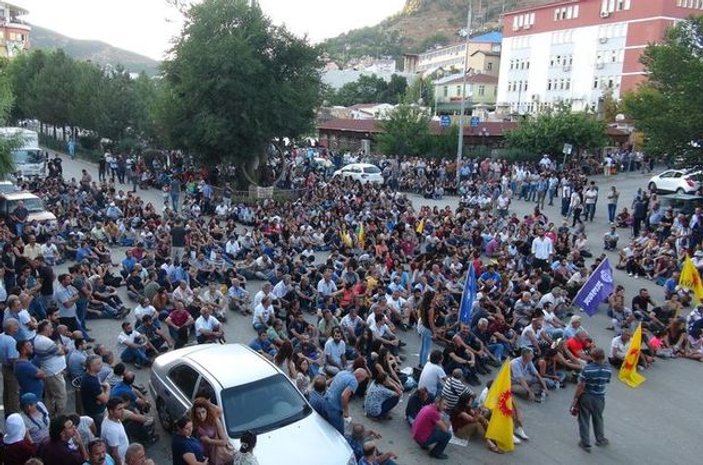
(21, 157)
(263, 405)
(32, 205)
(371, 169)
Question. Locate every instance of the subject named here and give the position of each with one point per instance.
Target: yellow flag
(362, 236)
(500, 401)
(628, 371)
(691, 279)
(346, 238)
(420, 227)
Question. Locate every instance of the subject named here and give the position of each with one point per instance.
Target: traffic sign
(445, 121)
(568, 148)
(474, 121)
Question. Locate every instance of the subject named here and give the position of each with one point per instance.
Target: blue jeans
(497, 350)
(611, 212)
(131, 354)
(335, 418)
(82, 311)
(19, 229)
(387, 406)
(440, 439)
(425, 344)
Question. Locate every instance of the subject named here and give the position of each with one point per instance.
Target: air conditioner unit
(604, 14)
(599, 65)
(567, 68)
(603, 40)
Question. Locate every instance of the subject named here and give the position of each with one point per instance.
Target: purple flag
(598, 286)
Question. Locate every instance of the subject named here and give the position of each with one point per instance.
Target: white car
(364, 172)
(254, 395)
(679, 181)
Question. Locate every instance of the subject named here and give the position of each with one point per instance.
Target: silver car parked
(254, 395)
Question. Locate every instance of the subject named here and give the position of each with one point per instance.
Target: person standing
(613, 196)
(591, 197)
(112, 431)
(589, 400)
(8, 357)
(50, 357)
(341, 389)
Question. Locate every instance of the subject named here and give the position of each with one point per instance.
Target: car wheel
(652, 187)
(680, 190)
(164, 415)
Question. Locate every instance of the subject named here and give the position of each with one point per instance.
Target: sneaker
(604, 442)
(440, 456)
(586, 447)
(516, 440)
(629, 274)
(520, 432)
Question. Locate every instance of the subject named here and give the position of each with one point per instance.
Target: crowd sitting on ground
(335, 325)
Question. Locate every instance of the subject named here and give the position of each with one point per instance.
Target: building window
(489, 66)
(567, 84)
(481, 90)
(446, 91)
(525, 88)
(549, 84)
(595, 82)
(458, 91)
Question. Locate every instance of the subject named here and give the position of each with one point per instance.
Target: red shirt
(425, 422)
(576, 346)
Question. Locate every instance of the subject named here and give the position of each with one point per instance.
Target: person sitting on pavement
(526, 381)
(454, 388)
(468, 421)
(433, 376)
(418, 399)
(132, 346)
(381, 397)
(429, 428)
(208, 329)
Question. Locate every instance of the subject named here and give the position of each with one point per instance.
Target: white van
(28, 157)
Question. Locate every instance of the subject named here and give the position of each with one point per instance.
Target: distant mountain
(419, 26)
(93, 50)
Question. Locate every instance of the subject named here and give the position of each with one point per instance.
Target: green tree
(549, 131)
(235, 83)
(421, 88)
(7, 165)
(405, 132)
(51, 90)
(668, 107)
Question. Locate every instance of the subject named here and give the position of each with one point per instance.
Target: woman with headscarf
(18, 448)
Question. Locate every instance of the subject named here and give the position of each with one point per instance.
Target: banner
(468, 296)
(628, 371)
(690, 279)
(594, 291)
(500, 401)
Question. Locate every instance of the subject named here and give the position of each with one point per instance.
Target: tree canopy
(369, 89)
(668, 107)
(405, 132)
(7, 165)
(549, 131)
(235, 82)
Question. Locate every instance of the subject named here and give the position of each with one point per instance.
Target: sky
(147, 26)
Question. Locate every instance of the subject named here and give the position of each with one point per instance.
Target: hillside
(93, 50)
(421, 25)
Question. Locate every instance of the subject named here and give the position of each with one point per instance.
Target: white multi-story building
(574, 51)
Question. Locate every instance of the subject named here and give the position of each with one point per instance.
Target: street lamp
(484, 134)
(460, 148)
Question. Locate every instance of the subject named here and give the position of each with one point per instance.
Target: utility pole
(460, 148)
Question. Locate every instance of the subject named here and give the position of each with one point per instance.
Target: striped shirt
(595, 376)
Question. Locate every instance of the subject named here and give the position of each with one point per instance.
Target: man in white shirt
(618, 348)
(399, 309)
(266, 291)
(215, 299)
(326, 287)
(113, 433)
(208, 328)
(263, 314)
(144, 309)
(51, 359)
(132, 346)
(433, 376)
(542, 250)
(232, 248)
(50, 252)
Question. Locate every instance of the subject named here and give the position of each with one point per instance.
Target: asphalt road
(656, 423)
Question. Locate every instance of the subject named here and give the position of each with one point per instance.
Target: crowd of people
(333, 283)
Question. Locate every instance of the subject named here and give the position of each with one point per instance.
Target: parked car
(254, 395)
(364, 172)
(679, 181)
(7, 187)
(35, 206)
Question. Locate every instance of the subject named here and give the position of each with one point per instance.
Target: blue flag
(468, 296)
(596, 289)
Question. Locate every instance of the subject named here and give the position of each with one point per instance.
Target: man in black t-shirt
(178, 240)
(46, 280)
(94, 395)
